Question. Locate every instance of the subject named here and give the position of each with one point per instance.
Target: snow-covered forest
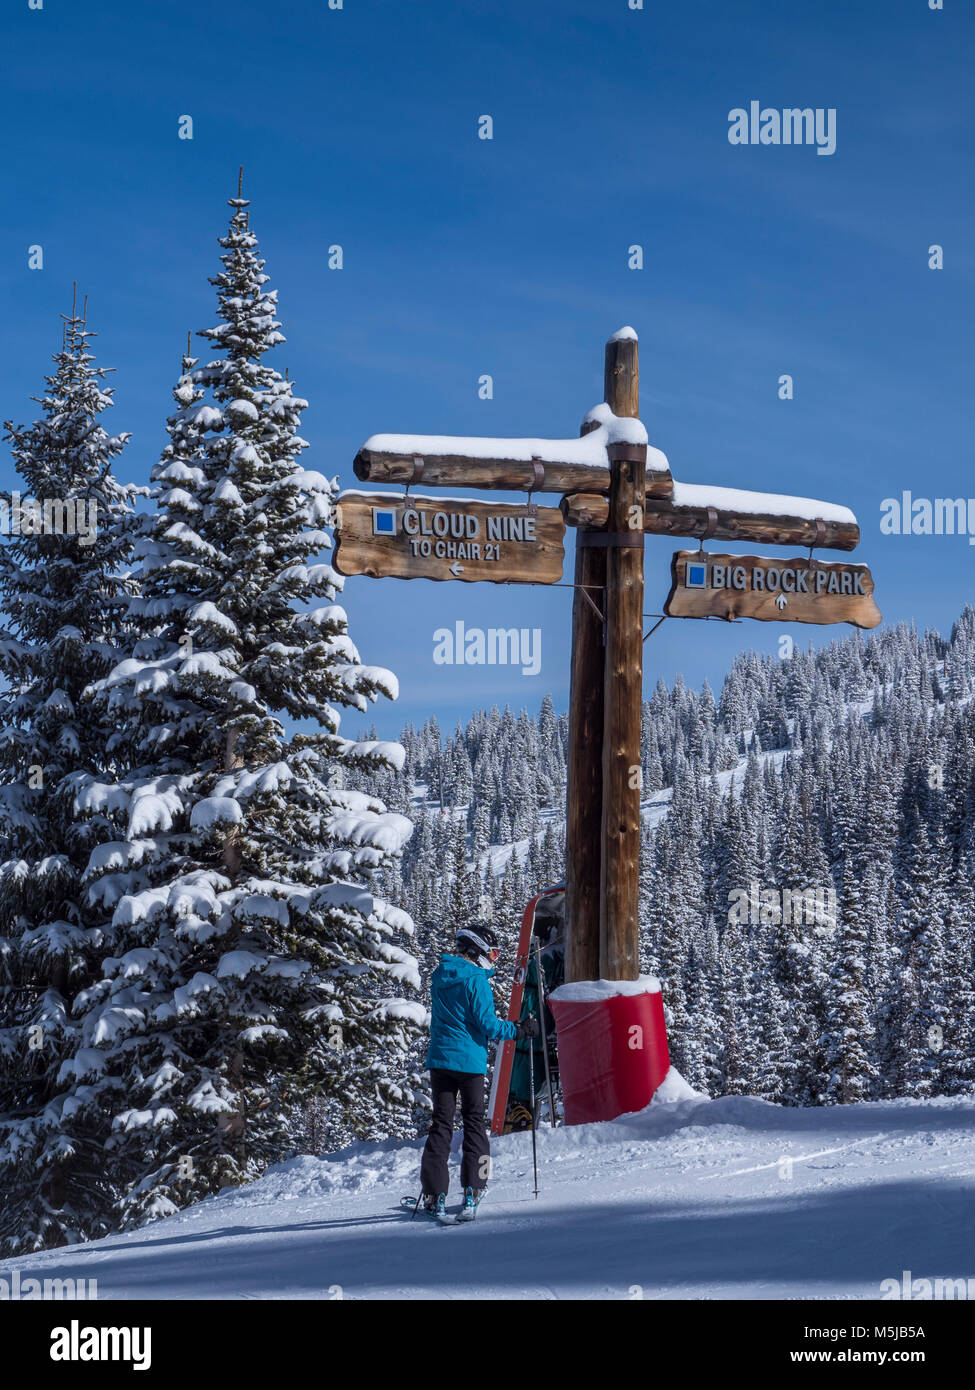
(845, 776)
(218, 915)
(190, 949)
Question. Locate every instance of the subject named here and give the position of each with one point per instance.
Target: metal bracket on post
(820, 538)
(417, 473)
(626, 453)
(708, 531)
(538, 478)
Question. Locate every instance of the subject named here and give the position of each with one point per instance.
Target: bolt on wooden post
(623, 680)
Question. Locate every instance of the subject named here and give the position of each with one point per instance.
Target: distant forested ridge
(807, 860)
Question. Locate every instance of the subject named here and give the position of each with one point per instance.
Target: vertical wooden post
(584, 783)
(623, 698)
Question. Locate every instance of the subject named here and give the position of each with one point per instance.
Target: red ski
(504, 1058)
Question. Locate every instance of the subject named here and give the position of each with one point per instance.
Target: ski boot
(427, 1205)
(472, 1200)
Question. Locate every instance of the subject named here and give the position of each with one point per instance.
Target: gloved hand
(528, 1028)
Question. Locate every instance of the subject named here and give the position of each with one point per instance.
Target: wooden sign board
(382, 534)
(771, 590)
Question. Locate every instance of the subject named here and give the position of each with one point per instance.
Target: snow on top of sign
(764, 503)
(589, 449)
(588, 991)
(401, 499)
(625, 335)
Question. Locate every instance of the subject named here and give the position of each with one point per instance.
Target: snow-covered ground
(729, 1198)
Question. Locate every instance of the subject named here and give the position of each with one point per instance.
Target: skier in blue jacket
(463, 1022)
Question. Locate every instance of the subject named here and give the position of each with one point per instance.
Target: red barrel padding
(605, 1067)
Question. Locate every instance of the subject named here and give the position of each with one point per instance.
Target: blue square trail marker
(383, 521)
(697, 576)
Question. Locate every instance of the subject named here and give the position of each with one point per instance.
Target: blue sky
(509, 257)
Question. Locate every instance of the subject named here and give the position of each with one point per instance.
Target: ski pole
(531, 1092)
(541, 1019)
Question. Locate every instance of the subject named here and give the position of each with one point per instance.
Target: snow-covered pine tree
(252, 966)
(463, 903)
(64, 597)
(683, 918)
(734, 1048)
(957, 1060)
(848, 1040)
(793, 945)
(919, 1010)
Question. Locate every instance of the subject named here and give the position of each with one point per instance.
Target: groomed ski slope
(689, 1199)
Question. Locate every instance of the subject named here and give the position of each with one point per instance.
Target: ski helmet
(479, 941)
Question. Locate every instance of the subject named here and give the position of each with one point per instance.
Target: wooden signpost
(615, 489)
(380, 534)
(619, 829)
(773, 591)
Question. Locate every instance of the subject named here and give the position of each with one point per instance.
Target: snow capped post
(623, 677)
(584, 764)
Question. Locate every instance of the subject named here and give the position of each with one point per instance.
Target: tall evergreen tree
(252, 965)
(64, 594)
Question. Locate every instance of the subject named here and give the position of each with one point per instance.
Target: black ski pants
(446, 1085)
